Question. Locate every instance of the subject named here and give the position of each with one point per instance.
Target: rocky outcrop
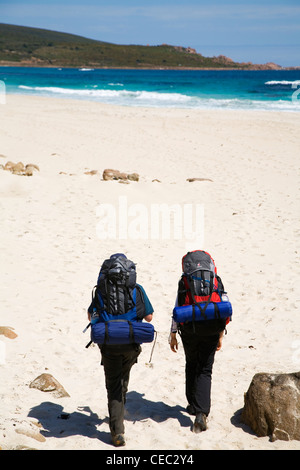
(272, 66)
(109, 174)
(272, 406)
(47, 383)
(189, 50)
(223, 60)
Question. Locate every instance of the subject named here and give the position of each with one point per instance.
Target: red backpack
(200, 278)
(199, 282)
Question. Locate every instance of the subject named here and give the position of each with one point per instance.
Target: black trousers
(117, 362)
(199, 351)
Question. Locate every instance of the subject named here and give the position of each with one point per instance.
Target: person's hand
(219, 344)
(173, 342)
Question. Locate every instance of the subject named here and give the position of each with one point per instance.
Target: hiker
(118, 296)
(199, 286)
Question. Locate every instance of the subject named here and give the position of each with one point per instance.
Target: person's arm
(172, 338)
(90, 311)
(147, 311)
(173, 342)
(220, 341)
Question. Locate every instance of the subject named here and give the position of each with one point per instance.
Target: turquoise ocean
(272, 90)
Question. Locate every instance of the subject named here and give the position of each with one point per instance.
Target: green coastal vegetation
(21, 45)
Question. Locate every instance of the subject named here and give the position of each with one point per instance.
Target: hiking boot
(118, 440)
(200, 423)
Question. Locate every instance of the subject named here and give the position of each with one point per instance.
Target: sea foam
(283, 82)
(157, 99)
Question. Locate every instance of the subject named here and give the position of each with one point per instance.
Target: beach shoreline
(97, 67)
(246, 162)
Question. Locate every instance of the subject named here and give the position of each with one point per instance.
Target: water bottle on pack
(95, 317)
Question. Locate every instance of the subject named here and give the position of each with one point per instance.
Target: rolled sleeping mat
(213, 311)
(122, 332)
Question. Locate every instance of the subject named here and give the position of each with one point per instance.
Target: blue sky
(256, 30)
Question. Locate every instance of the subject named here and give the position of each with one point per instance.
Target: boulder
(28, 172)
(191, 180)
(8, 332)
(91, 172)
(32, 166)
(272, 406)
(20, 169)
(9, 166)
(109, 174)
(30, 429)
(47, 383)
(133, 177)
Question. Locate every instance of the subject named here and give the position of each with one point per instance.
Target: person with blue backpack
(119, 306)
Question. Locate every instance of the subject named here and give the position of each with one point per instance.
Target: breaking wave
(283, 82)
(121, 95)
(155, 99)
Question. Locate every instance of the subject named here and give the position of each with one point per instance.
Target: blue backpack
(114, 317)
(115, 292)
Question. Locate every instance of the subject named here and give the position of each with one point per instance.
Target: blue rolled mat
(185, 312)
(122, 332)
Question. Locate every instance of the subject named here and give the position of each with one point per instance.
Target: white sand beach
(52, 248)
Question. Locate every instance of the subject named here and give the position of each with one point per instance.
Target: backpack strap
(131, 332)
(217, 311)
(107, 290)
(220, 289)
(95, 299)
(129, 296)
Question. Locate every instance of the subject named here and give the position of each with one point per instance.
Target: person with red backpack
(200, 316)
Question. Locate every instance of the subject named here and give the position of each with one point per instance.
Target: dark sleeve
(91, 307)
(143, 304)
(93, 302)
